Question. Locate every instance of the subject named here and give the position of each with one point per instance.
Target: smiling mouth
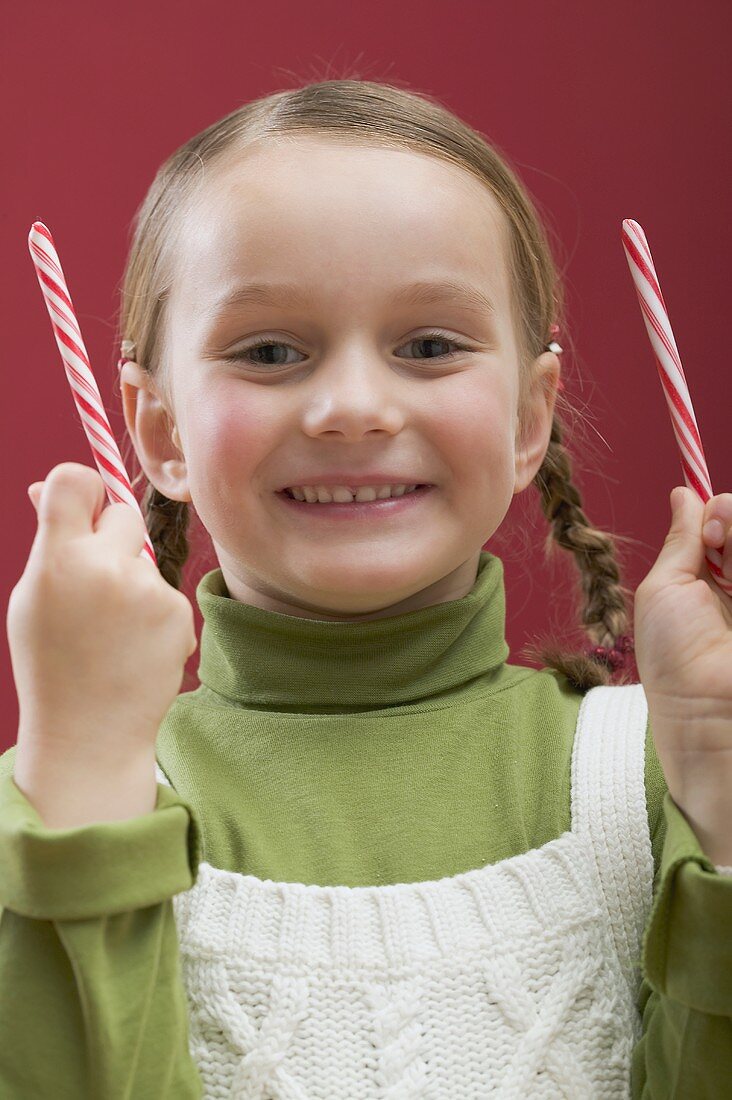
(398, 496)
(354, 508)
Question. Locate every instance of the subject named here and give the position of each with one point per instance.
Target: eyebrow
(421, 292)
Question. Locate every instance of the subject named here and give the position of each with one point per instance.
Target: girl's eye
(262, 342)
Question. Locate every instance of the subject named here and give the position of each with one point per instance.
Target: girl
(366, 857)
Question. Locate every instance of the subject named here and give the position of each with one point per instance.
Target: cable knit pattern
(516, 979)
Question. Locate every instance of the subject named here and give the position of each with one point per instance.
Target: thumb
(683, 550)
(34, 492)
(70, 502)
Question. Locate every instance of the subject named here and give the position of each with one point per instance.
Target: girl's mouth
(364, 509)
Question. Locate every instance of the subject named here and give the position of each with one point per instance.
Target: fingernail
(713, 531)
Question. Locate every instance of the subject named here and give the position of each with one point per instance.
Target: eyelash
(265, 341)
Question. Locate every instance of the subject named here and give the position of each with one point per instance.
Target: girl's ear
(539, 418)
(153, 433)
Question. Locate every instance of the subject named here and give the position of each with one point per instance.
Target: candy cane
(671, 373)
(78, 371)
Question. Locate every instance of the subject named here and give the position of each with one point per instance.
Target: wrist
(70, 790)
(708, 809)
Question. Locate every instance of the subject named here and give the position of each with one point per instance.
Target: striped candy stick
(78, 371)
(673, 380)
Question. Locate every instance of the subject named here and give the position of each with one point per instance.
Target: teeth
(341, 494)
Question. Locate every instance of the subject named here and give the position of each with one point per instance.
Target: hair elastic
(127, 349)
(557, 349)
(615, 656)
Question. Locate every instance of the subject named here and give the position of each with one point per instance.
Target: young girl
(367, 857)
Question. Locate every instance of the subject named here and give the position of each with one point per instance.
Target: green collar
(260, 658)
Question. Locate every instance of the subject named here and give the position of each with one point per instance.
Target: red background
(607, 111)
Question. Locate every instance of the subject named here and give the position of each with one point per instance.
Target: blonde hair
(379, 113)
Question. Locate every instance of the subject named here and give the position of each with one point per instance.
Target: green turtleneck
(388, 750)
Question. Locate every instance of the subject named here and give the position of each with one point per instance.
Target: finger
(71, 498)
(124, 528)
(713, 532)
(34, 492)
(717, 519)
(727, 556)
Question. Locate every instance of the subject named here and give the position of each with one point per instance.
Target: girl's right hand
(98, 639)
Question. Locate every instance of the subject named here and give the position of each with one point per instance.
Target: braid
(605, 615)
(167, 524)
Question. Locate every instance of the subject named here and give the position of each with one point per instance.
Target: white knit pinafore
(515, 980)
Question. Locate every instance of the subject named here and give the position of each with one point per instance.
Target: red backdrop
(607, 111)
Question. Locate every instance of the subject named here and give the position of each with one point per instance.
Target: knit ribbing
(393, 927)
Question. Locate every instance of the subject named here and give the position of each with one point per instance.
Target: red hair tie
(615, 656)
(127, 352)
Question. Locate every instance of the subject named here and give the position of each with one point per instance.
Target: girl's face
(357, 375)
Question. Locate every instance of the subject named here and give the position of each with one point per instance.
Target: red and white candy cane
(78, 371)
(671, 373)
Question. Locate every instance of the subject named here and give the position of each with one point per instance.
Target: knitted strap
(609, 810)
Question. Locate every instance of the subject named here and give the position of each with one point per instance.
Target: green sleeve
(92, 1003)
(686, 993)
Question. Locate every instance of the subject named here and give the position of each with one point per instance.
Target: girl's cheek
(234, 436)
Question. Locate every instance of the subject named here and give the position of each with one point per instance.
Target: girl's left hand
(683, 642)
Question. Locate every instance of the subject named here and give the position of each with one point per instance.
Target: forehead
(308, 209)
